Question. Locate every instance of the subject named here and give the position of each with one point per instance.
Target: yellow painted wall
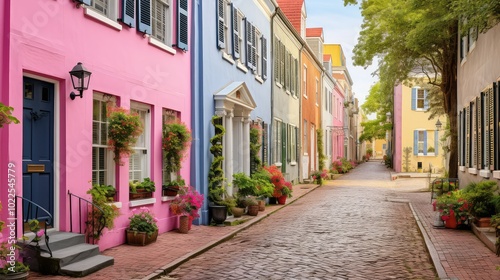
(416, 120)
(378, 149)
(335, 50)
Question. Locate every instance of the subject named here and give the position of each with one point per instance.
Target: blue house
(232, 79)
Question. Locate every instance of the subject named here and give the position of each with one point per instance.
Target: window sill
(95, 15)
(141, 202)
(288, 92)
(484, 173)
(117, 204)
(167, 198)
(161, 45)
(278, 164)
(496, 174)
(472, 171)
(293, 163)
(279, 85)
(305, 96)
(242, 67)
(461, 168)
(464, 60)
(259, 79)
(227, 57)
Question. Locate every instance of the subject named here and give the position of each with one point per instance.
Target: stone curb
(176, 263)
(430, 246)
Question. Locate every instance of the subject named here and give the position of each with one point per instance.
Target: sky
(341, 25)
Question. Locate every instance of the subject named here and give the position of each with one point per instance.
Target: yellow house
(417, 145)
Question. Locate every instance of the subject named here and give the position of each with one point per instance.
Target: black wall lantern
(80, 78)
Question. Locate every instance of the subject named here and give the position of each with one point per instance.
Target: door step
(70, 256)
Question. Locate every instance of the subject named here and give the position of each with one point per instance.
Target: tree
(421, 37)
(378, 103)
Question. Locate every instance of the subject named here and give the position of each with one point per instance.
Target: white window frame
(167, 21)
(277, 136)
(317, 92)
(241, 43)
(145, 169)
(304, 139)
(293, 144)
(167, 114)
(304, 79)
(420, 142)
(108, 168)
(418, 98)
(258, 51)
(109, 18)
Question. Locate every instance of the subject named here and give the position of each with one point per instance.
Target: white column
(229, 151)
(237, 145)
(246, 146)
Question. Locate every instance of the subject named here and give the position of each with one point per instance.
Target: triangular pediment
(235, 96)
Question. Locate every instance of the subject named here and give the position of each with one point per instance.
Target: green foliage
(255, 144)
(321, 154)
(6, 115)
(246, 185)
(101, 198)
(369, 152)
(143, 221)
(481, 196)
(216, 177)
(147, 185)
(175, 143)
(123, 129)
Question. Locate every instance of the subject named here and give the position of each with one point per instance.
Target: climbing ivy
(216, 177)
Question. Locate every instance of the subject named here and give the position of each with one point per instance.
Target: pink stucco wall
(397, 123)
(45, 40)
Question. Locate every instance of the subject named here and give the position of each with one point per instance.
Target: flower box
(170, 190)
(140, 194)
(140, 238)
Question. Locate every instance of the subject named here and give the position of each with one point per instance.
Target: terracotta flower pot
(282, 199)
(237, 211)
(183, 224)
(262, 205)
(253, 210)
(140, 238)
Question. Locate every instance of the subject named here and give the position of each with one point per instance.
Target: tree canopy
(420, 38)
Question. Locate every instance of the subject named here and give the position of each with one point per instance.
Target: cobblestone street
(350, 228)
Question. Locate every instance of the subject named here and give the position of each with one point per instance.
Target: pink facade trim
(44, 40)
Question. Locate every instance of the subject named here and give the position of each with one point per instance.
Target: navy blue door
(38, 146)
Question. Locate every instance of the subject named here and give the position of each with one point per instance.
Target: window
(104, 7)
(102, 157)
(168, 115)
(317, 92)
(326, 99)
(304, 139)
(258, 51)
(277, 135)
(292, 143)
(304, 81)
(162, 18)
(419, 100)
(238, 45)
(139, 160)
(420, 142)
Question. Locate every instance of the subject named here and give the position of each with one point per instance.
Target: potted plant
(123, 129)
(253, 206)
(171, 188)
(175, 143)
(102, 214)
(318, 176)
(255, 145)
(216, 191)
(481, 197)
(140, 190)
(454, 208)
(142, 229)
(186, 205)
(11, 266)
(282, 188)
(6, 115)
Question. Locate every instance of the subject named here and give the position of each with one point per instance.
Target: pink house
(139, 59)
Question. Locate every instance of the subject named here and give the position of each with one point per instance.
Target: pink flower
(155, 219)
(40, 233)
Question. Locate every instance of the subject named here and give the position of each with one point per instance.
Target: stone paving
(358, 226)
(347, 229)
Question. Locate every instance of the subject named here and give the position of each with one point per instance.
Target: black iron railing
(91, 223)
(443, 185)
(33, 211)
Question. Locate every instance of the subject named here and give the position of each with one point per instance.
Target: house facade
(417, 146)
(478, 113)
(232, 80)
(328, 112)
(60, 146)
(286, 124)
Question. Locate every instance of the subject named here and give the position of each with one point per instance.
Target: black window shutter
(182, 24)
(128, 12)
(220, 24)
(496, 120)
(248, 30)
(236, 33)
(265, 140)
(144, 16)
(264, 57)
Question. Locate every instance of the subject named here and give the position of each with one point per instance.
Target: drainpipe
(269, 155)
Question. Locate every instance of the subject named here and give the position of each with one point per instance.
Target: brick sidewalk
(172, 248)
(457, 254)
